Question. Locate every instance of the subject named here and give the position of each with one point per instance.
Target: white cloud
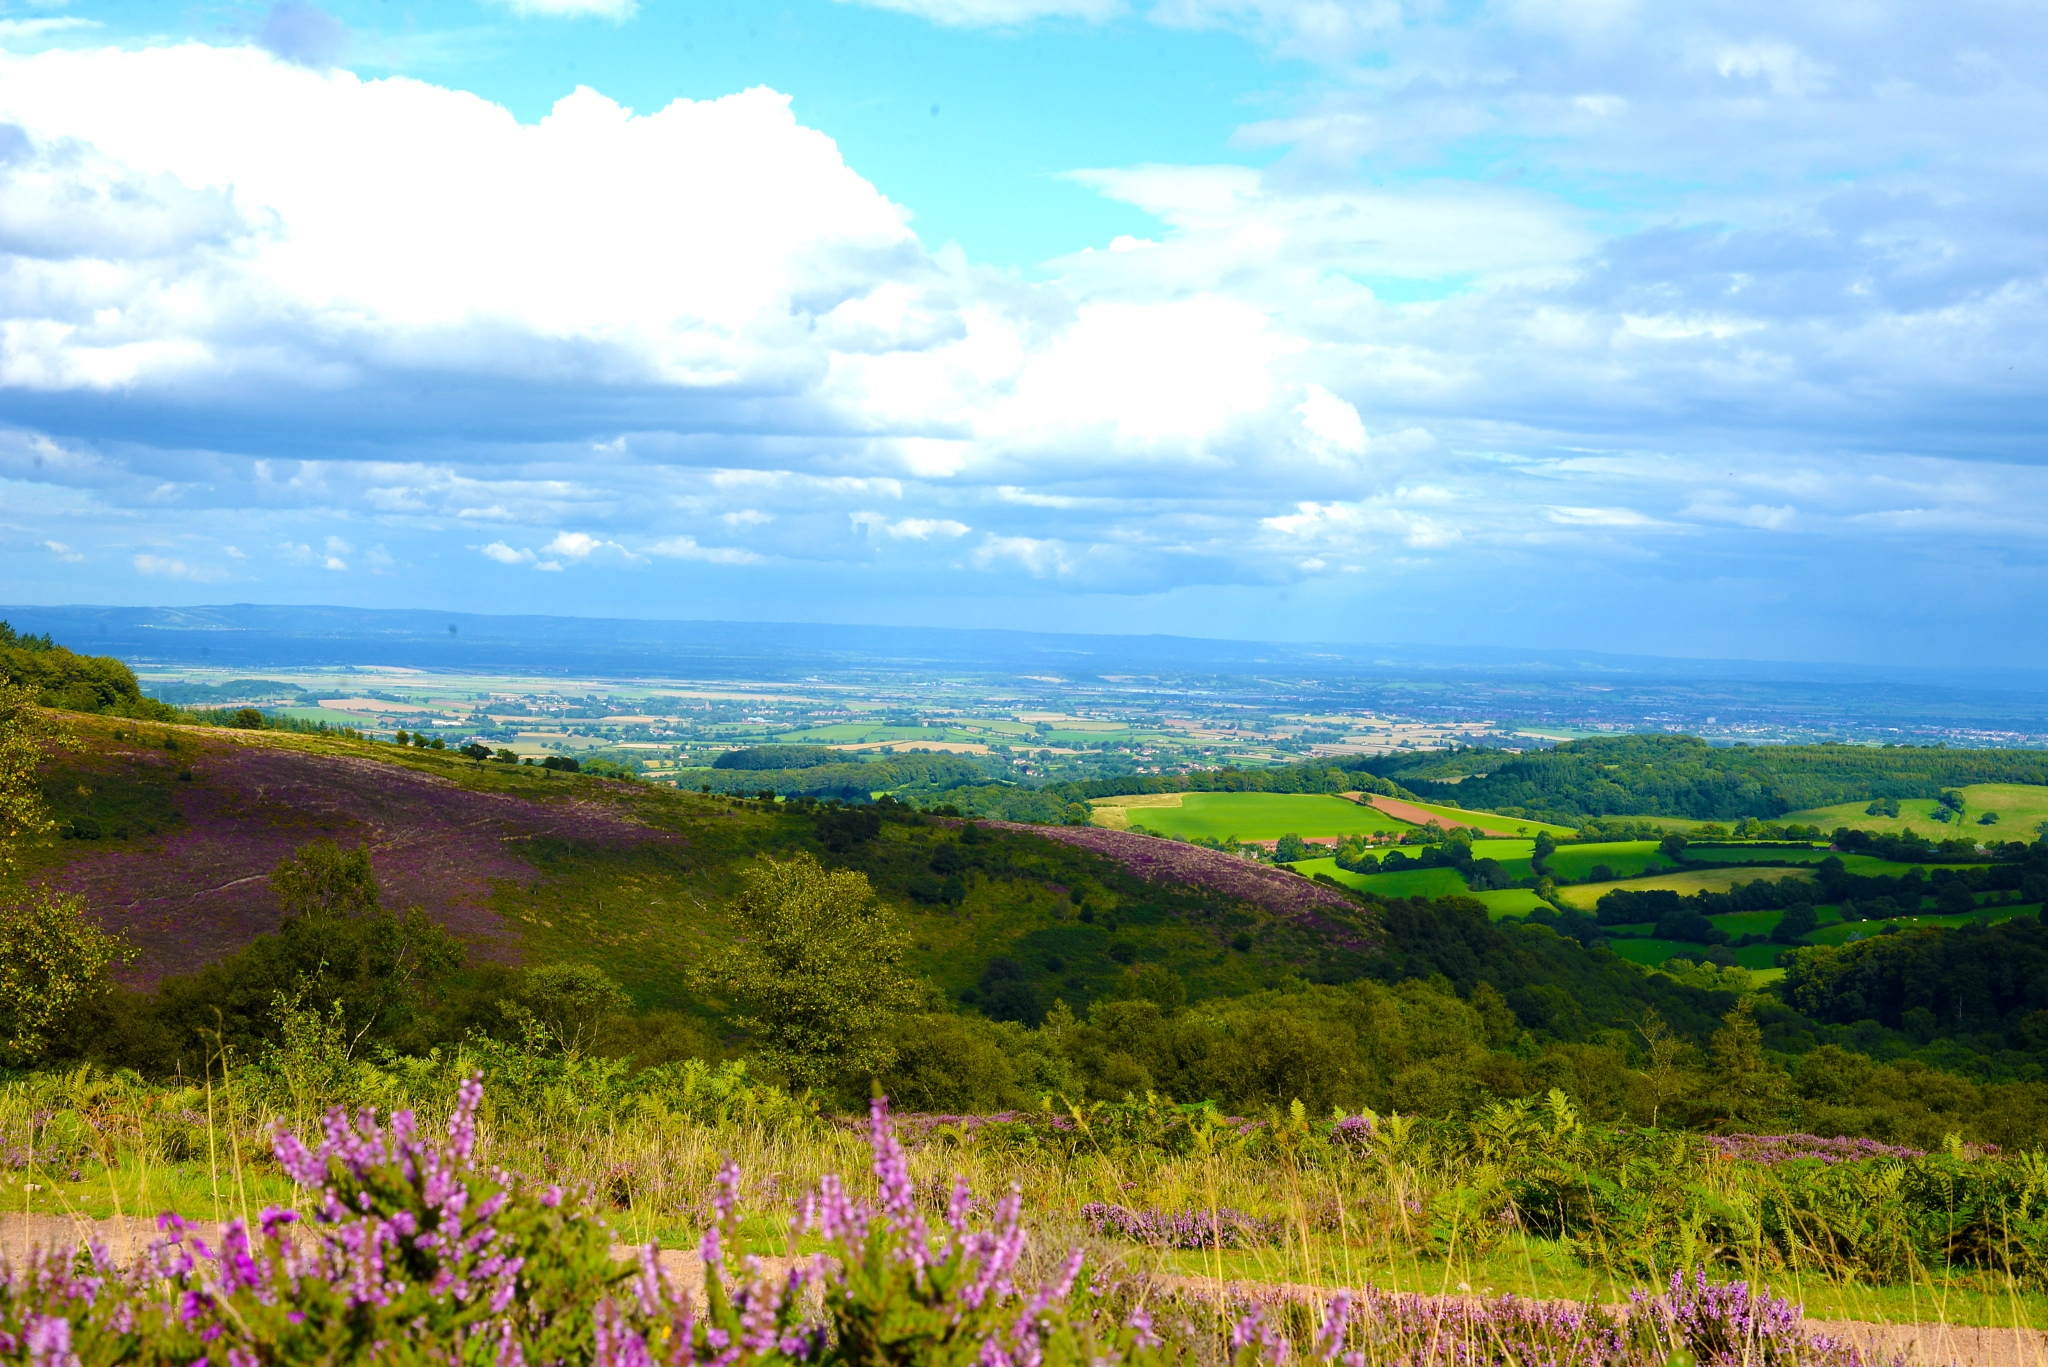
(169, 567)
(1761, 516)
(28, 30)
(686, 548)
(64, 553)
(1038, 556)
(392, 212)
(912, 528)
(1599, 517)
(1333, 425)
(505, 555)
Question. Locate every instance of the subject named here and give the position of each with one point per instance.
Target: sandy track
(1926, 1345)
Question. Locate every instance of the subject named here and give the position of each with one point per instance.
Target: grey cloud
(304, 33)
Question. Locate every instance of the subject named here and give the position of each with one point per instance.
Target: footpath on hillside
(1921, 1345)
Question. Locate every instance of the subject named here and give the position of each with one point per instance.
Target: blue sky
(1699, 329)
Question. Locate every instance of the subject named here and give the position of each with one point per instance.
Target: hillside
(172, 847)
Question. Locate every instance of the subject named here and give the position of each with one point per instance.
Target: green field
(1406, 883)
(326, 714)
(1508, 902)
(1626, 858)
(2021, 808)
(1247, 816)
(1586, 895)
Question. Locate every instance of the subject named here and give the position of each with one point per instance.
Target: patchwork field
(1586, 895)
(1245, 816)
(1460, 816)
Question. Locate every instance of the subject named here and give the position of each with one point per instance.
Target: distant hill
(1684, 777)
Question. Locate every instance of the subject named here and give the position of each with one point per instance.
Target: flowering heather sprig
(1354, 1131)
(1772, 1149)
(1223, 1227)
(1726, 1324)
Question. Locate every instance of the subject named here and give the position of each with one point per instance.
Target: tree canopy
(813, 971)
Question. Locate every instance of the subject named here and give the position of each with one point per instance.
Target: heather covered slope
(195, 888)
(527, 867)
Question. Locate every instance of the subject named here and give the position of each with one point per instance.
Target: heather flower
(1772, 1149)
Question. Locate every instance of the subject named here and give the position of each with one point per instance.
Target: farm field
(1586, 895)
(2021, 808)
(1406, 883)
(1627, 858)
(1247, 816)
(1460, 816)
(1509, 902)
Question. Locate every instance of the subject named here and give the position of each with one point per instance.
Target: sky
(1701, 329)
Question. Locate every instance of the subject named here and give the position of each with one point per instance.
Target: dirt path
(1922, 1345)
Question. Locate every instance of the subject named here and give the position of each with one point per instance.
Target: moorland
(1674, 1021)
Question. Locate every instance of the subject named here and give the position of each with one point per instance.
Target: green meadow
(1247, 816)
(1623, 858)
(1406, 883)
(2021, 808)
(1586, 895)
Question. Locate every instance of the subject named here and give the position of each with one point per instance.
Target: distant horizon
(1301, 643)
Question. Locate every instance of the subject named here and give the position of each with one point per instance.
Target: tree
(1954, 899)
(1673, 846)
(1540, 855)
(51, 959)
(568, 1002)
(1798, 922)
(1747, 1087)
(813, 971)
(1289, 848)
(26, 733)
(322, 879)
(246, 719)
(1662, 1054)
